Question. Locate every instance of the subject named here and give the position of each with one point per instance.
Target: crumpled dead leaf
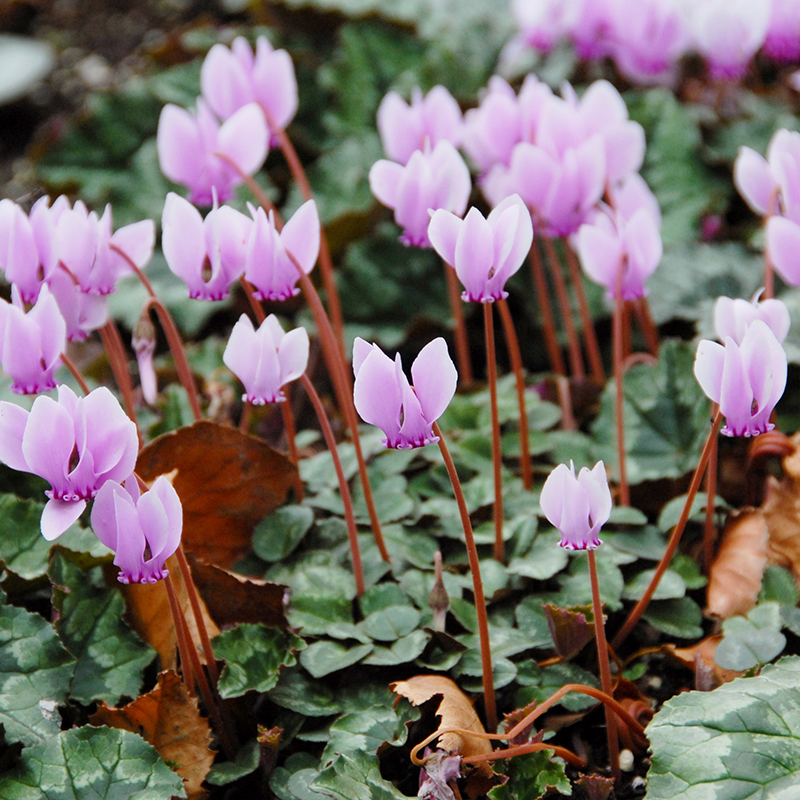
(700, 658)
(455, 711)
(226, 480)
(168, 718)
(734, 579)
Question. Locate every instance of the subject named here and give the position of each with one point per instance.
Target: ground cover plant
(289, 511)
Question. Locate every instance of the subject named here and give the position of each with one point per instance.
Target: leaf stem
(477, 585)
(497, 454)
(674, 539)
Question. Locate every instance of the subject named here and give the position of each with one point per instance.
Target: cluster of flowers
(559, 156)
(646, 38)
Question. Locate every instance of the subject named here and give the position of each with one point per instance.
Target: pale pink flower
(732, 317)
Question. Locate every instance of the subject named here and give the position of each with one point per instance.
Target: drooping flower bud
(143, 342)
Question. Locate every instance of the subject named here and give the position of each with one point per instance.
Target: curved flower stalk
(31, 344)
(732, 317)
(76, 444)
(268, 267)
(89, 250)
(746, 379)
(266, 359)
(207, 254)
(230, 78)
(188, 144)
(404, 128)
(385, 398)
(432, 179)
(133, 524)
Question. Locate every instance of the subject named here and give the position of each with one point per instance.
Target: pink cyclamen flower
(746, 379)
(232, 78)
(267, 263)
(88, 249)
(783, 246)
(484, 252)
(31, 344)
(611, 243)
(75, 443)
(732, 317)
(432, 179)
(577, 506)
(208, 255)
(384, 397)
(82, 312)
(265, 360)
(783, 34)
(190, 146)
(134, 524)
(404, 128)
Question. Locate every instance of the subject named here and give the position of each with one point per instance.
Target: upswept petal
(783, 244)
(274, 83)
(443, 233)
(601, 253)
(104, 517)
(451, 179)
(181, 153)
(435, 378)
(513, 235)
(239, 356)
(361, 349)
(13, 421)
(595, 483)
(709, 365)
(111, 436)
(377, 395)
(474, 255)
(301, 235)
(755, 182)
(58, 515)
(735, 392)
(131, 542)
(48, 442)
(244, 138)
(384, 181)
(183, 240)
(224, 82)
(266, 385)
(399, 127)
(293, 355)
(443, 119)
(136, 241)
(415, 431)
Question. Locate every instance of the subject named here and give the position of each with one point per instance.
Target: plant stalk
(76, 373)
(619, 403)
(548, 325)
(497, 454)
(461, 339)
(112, 342)
(573, 344)
(589, 335)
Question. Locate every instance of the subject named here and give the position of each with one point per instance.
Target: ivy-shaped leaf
(530, 776)
(355, 775)
(740, 741)
(97, 763)
(110, 655)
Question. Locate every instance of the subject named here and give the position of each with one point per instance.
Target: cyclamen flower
(85, 245)
(133, 524)
(208, 255)
(612, 243)
(31, 344)
(783, 245)
(266, 359)
(746, 379)
(82, 312)
(384, 397)
(484, 252)
(783, 35)
(577, 506)
(232, 78)
(267, 263)
(75, 443)
(404, 128)
(432, 179)
(189, 148)
(732, 318)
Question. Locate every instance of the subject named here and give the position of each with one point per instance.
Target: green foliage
(530, 777)
(247, 760)
(736, 742)
(279, 533)
(110, 656)
(102, 763)
(753, 640)
(355, 775)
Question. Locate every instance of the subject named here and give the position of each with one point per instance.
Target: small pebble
(626, 760)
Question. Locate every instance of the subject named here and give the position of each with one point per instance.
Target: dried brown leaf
(734, 579)
(700, 658)
(571, 628)
(455, 711)
(169, 719)
(227, 482)
(232, 598)
(148, 613)
(782, 512)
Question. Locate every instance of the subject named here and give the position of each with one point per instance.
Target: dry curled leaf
(148, 613)
(227, 482)
(455, 711)
(169, 719)
(782, 512)
(700, 658)
(734, 579)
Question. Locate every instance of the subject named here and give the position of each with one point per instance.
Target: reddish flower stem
(76, 373)
(674, 539)
(477, 585)
(550, 337)
(531, 747)
(181, 634)
(649, 330)
(619, 404)
(575, 357)
(497, 454)
(710, 528)
(462, 342)
(344, 489)
(246, 418)
(249, 182)
(112, 342)
(605, 672)
(516, 364)
(171, 332)
(589, 336)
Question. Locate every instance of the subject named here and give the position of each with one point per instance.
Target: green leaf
(255, 655)
(297, 692)
(277, 535)
(35, 673)
(390, 624)
(367, 730)
(543, 560)
(293, 779)
(318, 614)
(401, 651)
(671, 586)
(680, 617)
(111, 657)
(778, 585)
(666, 417)
(96, 763)
(246, 761)
(530, 776)
(576, 587)
(748, 642)
(671, 513)
(322, 658)
(382, 596)
(533, 623)
(355, 775)
(740, 741)
(546, 681)
(688, 569)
